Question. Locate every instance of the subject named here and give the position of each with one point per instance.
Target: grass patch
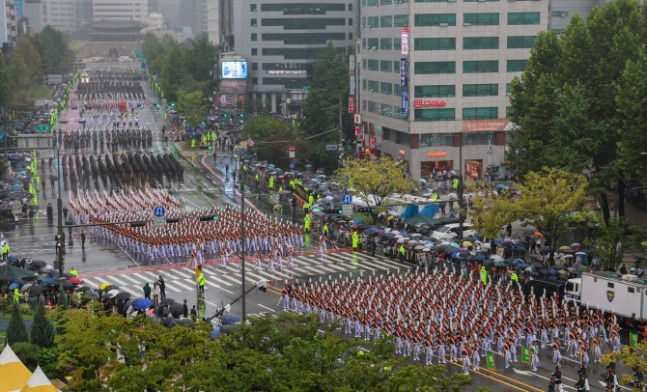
(24, 316)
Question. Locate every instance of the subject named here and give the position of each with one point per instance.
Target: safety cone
(49, 305)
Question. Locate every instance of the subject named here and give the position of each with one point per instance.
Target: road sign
(42, 128)
(347, 199)
(331, 147)
(159, 212)
(347, 209)
(159, 221)
(292, 150)
(251, 143)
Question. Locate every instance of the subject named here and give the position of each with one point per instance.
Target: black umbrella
(8, 272)
(37, 290)
(167, 301)
(84, 289)
(122, 295)
(109, 288)
(184, 322)
(176, 309)
(36, 265)
(66, 284)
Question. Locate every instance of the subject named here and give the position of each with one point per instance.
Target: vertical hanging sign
(404, 71)
(351, 68)
(405, 102)
(405, 40)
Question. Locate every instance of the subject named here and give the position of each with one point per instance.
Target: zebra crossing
(181, 280)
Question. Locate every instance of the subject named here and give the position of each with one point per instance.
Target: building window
(350, 6)
(373, 86)
(254, 52)
(404, 139)
(372, 21)
(434, 67)
(483, 19)
(434, 114)
(434, 44)
(386, 88)
(477, 138)
(254, 37)
(386, 66)
(480, 113)
(372, 43)
(396, 66)
(474, 1)
(350, 21)
(434, 1)
(254, 66)
(386, 43)
(363, 63)
(523, 18)
(526, 41)
(253, 23)
(435, 19)
(480, 90)
(434, 91)
(397, 90)
(516, 65)
(480, 42)
(373, 65)
(364, 84)
(386, 21)
(480, 66)
(508, 89)
(400, 20)
(350, 36)
(559, 14)
(252, 7)
(397, 43)
(436, 140)
(372, 3)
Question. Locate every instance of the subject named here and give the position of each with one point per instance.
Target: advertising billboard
(234, 70)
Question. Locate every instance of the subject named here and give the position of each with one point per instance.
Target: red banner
(351, 104)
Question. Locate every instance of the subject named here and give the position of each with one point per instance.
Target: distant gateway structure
(111, 31)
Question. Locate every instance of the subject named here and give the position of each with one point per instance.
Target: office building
(8, 24)
(212, 24)
(434, 79)
(120, 10)
(282, 38)
(60, 14)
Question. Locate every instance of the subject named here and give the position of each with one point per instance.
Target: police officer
(558, 378)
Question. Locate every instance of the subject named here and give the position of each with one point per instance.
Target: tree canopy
(551, 201)
(374, 180)
(568, 104)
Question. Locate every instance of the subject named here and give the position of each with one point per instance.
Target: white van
(447, 232)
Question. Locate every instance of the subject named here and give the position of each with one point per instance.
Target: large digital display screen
(234, 70)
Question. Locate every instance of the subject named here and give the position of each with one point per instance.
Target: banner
(490, 361)
(525, 354)
(405, 102)
(633, 339)
(404, 71)
(405, 40)
(351, 104)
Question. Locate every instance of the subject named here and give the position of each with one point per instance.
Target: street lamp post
(59, 207)
(242, 237)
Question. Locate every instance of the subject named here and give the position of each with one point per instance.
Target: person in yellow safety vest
(280, 188)
(311, 199)
(201, 282)
(244, 167)
(455, 183)
(434, 195)
(401, 252)
(256, 177)
(292, 184)
(306, 224)
(355, 240)
(74, 272)
(5, 251)
(16, 295)
(514, 277)
(484, 276)
(271, 182)
(306, 206)
(192, 143)
(326, 229)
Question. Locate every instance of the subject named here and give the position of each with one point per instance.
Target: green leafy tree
(16, 331)
(154, 52)
(272, 137)
(565, 103)
(192, 105)
(42, 330)
(174, 73)
(551, 201)
(203, 62)
(375, 180)
(6, 81)
(491, 212)
(53, 48)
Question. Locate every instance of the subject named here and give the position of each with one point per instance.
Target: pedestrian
(185, 309)
(194, 314)
(65, 213)
(557, 376)
(551, 385)
(508, 229)
(162, 286)
(82, 239)
(50, 212)
(147, 291)
(31, 215)
(156, 295)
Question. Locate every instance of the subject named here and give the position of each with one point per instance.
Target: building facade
(120, 10)
(212, 24)
(434, 79)
(8, 24)
(282, 38)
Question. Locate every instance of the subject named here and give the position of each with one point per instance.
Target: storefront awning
(498, 124)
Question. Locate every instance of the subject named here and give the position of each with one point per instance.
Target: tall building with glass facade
(281, 39)
(434, 79)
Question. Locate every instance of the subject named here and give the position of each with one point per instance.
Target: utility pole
(59, 206)
(242, 237)
(460, 190)
(341, 137)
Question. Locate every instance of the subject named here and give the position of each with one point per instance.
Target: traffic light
(172, 104)
(340, 211)
(225, 115)
(138, 224)
(208, 218)
(157, 105)
(172, 220)
(242, 115)
(372, 210)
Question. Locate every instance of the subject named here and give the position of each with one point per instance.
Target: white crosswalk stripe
(182, 279)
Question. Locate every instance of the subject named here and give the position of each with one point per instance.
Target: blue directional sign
(347, 199)
(159, 211)
(331, 147)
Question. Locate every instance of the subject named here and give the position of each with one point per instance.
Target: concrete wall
(35, 142)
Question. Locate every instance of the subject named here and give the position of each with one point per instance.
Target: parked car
(447, 232)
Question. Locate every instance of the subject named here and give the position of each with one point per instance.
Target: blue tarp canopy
(411, 211)
(430, 210)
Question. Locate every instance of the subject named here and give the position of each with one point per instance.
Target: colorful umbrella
(104, 285)
(142, 303)
(76, 281)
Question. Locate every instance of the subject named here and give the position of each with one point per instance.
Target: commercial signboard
(404, 71)
(405, 40)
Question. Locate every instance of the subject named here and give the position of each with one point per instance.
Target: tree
(16, 331)
(374, 180)
(53, 48)
(202, 64)
(551, 201)
(272, 137)
(6, 93)
(491, 213)
(192, 105)
(567, 96)
(25, 53)
(174, 74)
(42, 330)
(632, 96)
